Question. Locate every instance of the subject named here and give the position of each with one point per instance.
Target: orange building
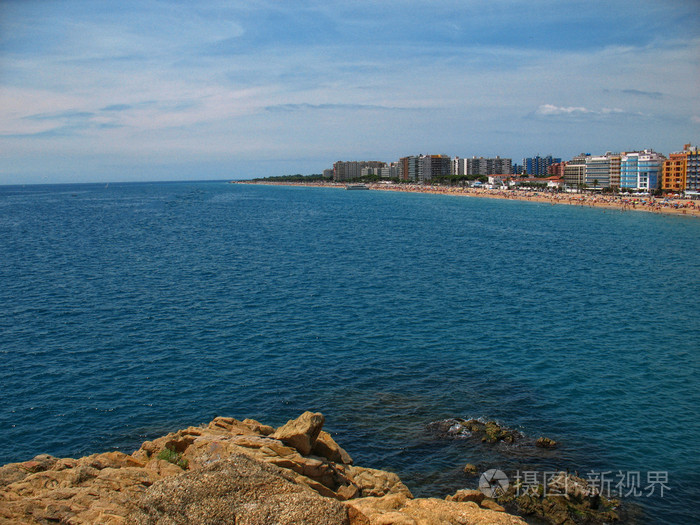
(680, 171)
(674, 174)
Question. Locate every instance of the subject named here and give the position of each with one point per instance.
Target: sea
(129, 310)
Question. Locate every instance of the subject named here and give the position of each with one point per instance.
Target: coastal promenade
(622, 202)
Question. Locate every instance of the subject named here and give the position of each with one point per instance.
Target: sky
(176, 90)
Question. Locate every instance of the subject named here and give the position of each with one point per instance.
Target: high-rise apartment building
(641, 170)
(482, 166)
(615, 159)
(575, 171)
(692, 176)
(681, 171)
(386, 172)
(459, 166)
(597, 171)
(433, 166)
(422, 168)
(556, 169)
(408, 168)
(537, 166)
(489, 166)
(674, 173)
(343, 170)
(603, 171)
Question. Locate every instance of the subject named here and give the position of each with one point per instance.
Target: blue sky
(168, 90)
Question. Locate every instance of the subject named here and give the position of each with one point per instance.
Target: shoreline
(665, 206)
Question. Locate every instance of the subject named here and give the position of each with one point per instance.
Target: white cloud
(551, 109)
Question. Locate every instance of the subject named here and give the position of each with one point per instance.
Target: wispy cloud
(635, 93)
(117, 107)
(579, 112)
(656, 95)
(74, 115)
(349, 107)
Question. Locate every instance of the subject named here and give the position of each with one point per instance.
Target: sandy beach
(622, 202)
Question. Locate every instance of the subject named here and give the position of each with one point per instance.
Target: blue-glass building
(537, 166)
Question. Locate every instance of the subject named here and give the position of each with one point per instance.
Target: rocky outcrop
(470, 469)
(487, 432)
(565, 500)
(237, 489)
(228, 471)
(401, 510)
(93, 489)
(301, 433)
(545, 442)
(467, 495)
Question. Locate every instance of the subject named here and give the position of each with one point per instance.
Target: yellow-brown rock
(492, 505)
(326, 446)
(226, 471)
(374, 482)
(258, 427)
(467, 495)
(301, 433)
(399, 509)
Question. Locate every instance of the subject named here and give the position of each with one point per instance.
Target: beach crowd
(618, 201)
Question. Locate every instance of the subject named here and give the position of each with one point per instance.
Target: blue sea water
(131, 310)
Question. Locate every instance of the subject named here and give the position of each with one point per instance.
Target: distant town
(644, 171)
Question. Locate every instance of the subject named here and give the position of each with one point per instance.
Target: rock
(566, 500)
(467, 495)
(490, 432)
(235, 490)
(347, 492)
(326, 447)
(81, 494)
(11, 473)
(545, 442)
(227, 471)
(231, 425)
(301, 433)
(258, 427)
(377, 483)
(454, 428)
(491, 505)
(471, 469)
(573, 488)
(474, 425)
(398, 509)
(494, 433)
(110, 460)
(40, 463)
(260, 442)
(164, 469)
(356, 517)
